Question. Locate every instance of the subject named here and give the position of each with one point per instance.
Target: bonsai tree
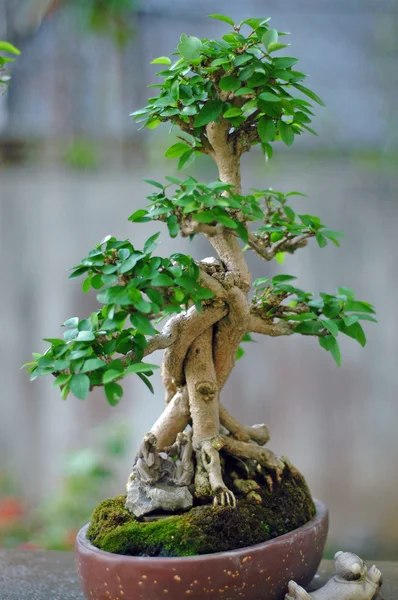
(224, 96)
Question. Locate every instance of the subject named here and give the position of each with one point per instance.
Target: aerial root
(225, 498)
(264, 457)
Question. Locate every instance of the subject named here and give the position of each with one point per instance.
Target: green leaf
(359, 306)
(286, 133)
(140, 367)
(155, 183)
(72, 322)
(7, 47)
(269, 97)
(232, 112)
(346, 292)
(139, 216)
(274, 46)
(229, 83)
(86, 285)
(331, 326)
(309, 328)
(62, 379)
(322, 241)
(354, 331)
(80, 386)
(186, 160)
(130, 263)
(113, 393)
(110, 375)
(289, 212)
(330, 344)
(177, 150)
(92, 364)
(222, 18)
(283, 278)
(162, 60)
(210, 111)
(243, 91)
(173, 226)
(266, 130)
(280, 257)
(260, 281)
(142, 324)
(85, 336)
(284, 62)
(151, 243)
(308, 316)
(189, 47)
(309, 93)
(147, 382)
(269, 37)
(162, 280)
(239, 353)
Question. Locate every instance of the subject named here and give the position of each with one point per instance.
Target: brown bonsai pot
(254, 573)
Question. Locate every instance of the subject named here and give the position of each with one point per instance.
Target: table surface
(37, 575)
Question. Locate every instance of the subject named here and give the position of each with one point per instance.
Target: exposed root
(210, 459)
(225, 498)
(174, 419)
(265, 457)
(243, 433)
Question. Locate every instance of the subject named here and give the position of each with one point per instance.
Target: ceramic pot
(259, 572)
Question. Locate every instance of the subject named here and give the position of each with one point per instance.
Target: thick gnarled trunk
(201, 355)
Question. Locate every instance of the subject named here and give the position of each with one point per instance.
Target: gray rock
(145, 498)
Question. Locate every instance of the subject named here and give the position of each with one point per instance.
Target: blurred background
(71, 169)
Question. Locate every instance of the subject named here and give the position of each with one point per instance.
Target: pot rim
(82, 540)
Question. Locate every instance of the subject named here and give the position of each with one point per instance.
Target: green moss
(204, 529)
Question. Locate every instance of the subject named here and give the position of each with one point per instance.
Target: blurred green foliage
(108, 17)
(82, 154)
(88, 476)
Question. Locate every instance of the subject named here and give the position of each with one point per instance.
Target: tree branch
(228, 334)
(187, 330)
(265, 250)
(266, 327)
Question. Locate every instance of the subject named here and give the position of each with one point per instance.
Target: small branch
(267, 251)
(259, 325)
(193, 227)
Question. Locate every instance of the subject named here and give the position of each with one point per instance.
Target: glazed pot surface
(259, 572)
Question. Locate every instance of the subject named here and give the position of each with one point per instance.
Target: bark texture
(200, 350)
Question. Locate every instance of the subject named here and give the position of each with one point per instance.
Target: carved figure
(184, 466)
(352, 581)
(148, 463)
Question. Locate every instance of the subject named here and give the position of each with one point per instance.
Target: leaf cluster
(237, 78)
(283, 228)
(135, 288)
(204, 203)
(7, 48)
(324, 316)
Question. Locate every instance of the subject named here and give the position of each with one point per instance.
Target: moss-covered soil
(205, 529)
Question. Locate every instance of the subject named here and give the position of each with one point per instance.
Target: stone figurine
(184, 465)
(157, 482)
(352, 581)
(147, 463)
